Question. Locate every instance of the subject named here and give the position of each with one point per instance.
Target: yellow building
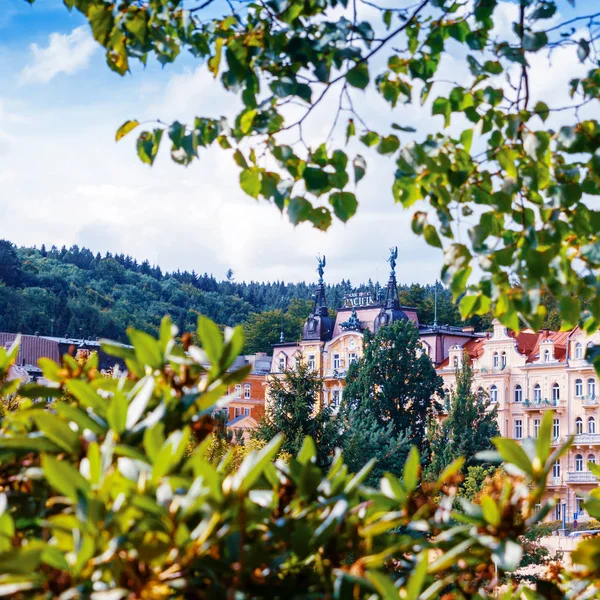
(329, 346)
(529, 373)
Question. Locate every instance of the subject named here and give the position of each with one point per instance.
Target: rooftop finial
(281, 337)
(321, 268)
(393, 258)
(435, 304)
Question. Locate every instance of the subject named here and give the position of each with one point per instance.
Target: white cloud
(65, 53)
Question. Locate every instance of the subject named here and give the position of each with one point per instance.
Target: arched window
(591, 459)
(537, 393)
(555, 393)
(496, 360)
(503, 360)
(518, 393)
(578, 350)
(579, 463)
(455, 362)
(591, 385)
(591, 425)
(578, 388)
(480, 393)
(546, 355)
(494, 393)
(578, 425)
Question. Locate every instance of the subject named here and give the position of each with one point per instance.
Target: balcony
(587, 438)
(554, 481)
(581, 477)
(544, 404)
(589, 401)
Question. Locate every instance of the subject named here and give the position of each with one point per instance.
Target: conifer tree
(295, 408)
(395, 381)
(471, 424)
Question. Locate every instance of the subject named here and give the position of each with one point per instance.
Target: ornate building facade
(529, 373)
(329, 346)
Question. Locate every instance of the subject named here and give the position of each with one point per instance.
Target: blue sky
(64, 180)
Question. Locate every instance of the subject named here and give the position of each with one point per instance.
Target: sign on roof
(358, 299)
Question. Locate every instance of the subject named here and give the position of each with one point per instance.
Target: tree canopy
(395, 381)
(506, 185)
(469, 427)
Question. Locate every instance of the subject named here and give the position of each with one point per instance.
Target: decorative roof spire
(390, 310)
(281, 337)
(435, 304)
(321, 268)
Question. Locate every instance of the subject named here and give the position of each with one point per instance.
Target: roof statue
(321, 268)
(353, 323)
(393, 257)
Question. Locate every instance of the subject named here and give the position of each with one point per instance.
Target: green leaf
(542, 110)
(87, 396)
(350, 130)
(211, 339)
(358, 77)
(417, 577)
(412, 469)
(431, 236)
(316, 179)
(142, 393)
(344, 205)
(116, 414)
(491, 512)
(147, 349)
(64, 478)
(57, 431)
(247, 119)
(514, 454)
(125, 129)
(441, 106)
(360, 168)
(101, 20)
(250, 181)
(299, 209)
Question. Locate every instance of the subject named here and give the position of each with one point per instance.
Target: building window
(480, 393)
(238, 391)
(247, 391)
(591, 425)
(591, 459)
(556, 469)
(578, 388)
(494, 394)
(578, 350)
(281, 364)
(555, 393)
(518, 429)
(537, 393)
(557, 511)
(591, 388)
(311, 362)
(353, 358)
(455, 362)
(536, 427)
(555, 429)
(246, 412)
(496, 360)
(237, 411)
(589, 347)
(518, 394)
(546, 355)
(578, 505)
(578, 425)
(337, 363)
(503, 360)
(335, 398)
(579, 463)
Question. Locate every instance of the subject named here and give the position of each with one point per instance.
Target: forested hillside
(77, 293)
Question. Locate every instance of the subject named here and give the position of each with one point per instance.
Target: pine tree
(365, 438)
(395, 381)
(471, 424)
(294, 409)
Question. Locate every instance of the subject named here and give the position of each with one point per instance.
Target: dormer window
(578, 350)
(282, 364)
(455, 362)
(546, 355)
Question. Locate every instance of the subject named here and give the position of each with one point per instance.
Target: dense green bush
(101, 497)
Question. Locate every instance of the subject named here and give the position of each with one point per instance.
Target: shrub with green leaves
(100, 499)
